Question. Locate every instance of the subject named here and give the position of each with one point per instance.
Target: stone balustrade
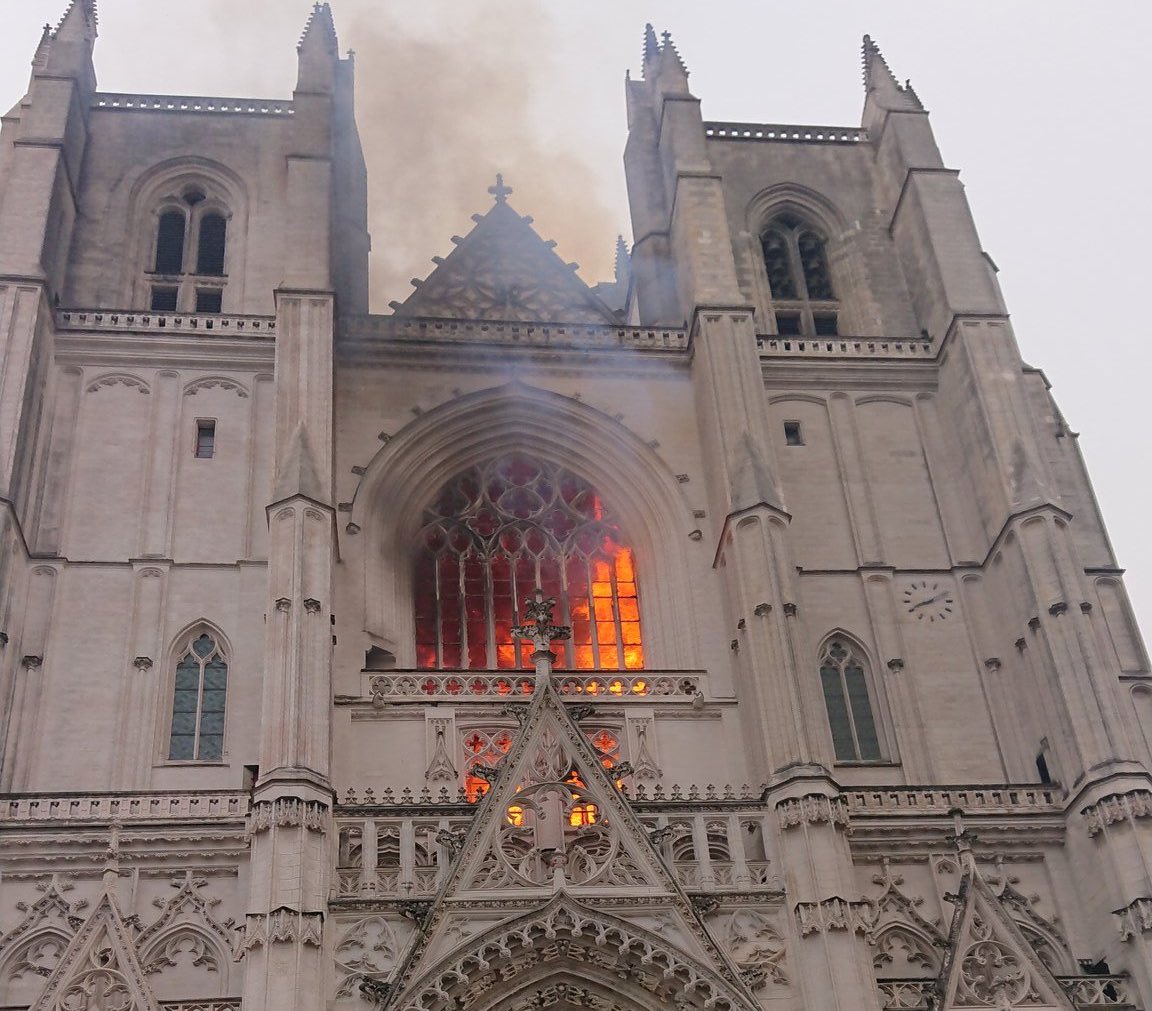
(786, 132)
(843, 347)
(144, 321)
(1006, 799)
(1085, 992)
(122, 807)
(122, 102)
(416, 330)
(514, 685)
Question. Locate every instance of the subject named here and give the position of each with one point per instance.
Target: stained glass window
(198, 703)
(842, 675)
(495, 533)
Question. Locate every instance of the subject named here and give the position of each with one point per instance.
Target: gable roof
(503, 270)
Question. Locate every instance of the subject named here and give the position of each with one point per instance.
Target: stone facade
(884, 740)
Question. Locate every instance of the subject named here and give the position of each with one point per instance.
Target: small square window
(788, 324)
(825, 324)
(792, 436)
(163, 299)
(205, 440)
(209, 300)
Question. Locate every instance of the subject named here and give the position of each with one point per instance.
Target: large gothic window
(845, 682)
(495, 533)
(198, 702)
(796, 262)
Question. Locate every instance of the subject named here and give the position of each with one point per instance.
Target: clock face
(927, 600)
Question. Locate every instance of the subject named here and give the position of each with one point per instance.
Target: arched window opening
(845, 683)
(210, 248)
(198, 703)
(494, 534)
(170, 243)
(800, 282)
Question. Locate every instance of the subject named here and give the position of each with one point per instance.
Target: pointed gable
(502, 270)
(990, 963)
(100, 967)
(555, 829)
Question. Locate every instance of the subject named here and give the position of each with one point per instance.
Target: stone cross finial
(539, 628)
(500, 191)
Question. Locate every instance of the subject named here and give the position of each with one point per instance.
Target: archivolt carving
(184, 927)
(38, 956)
(600, 944)
(118, 379)
(184, 943)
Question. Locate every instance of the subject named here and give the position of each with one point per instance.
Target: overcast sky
(1043, 105)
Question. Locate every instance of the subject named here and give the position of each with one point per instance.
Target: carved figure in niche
(757, 948)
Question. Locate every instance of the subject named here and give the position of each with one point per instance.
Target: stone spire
(43, 48)
(69, 53)
(79, 20)
(651, 46)
(622, 268)
(880, 83)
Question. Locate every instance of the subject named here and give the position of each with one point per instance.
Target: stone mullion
(407, 853)
(369, 857)
(705, 878)
(741, 876)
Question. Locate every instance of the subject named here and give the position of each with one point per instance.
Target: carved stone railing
(166, 323)
(1085, 992)
(489, 686)
(123, 807)
(843, 347)
(786, 132)
(211, 1004)
(389, 854)
(1097, 991)
(421, 330)
(907, 994)
(1007, 799)
(193, 103)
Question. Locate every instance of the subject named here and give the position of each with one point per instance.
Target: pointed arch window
(844, 678)
(494, 534)
(796, 263)
(198, 702)
(188, 253)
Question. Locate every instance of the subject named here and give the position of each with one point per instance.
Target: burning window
(494, 534)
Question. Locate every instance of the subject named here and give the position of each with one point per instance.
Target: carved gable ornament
(503, 270)
(990, 963)
(553, 831)
(100, 970)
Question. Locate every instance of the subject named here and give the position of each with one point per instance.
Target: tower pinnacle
(881, 83)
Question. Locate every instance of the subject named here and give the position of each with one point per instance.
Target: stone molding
(1135, 918)
(1117, 807)
(281, 926)
(835, 914)
(124, 807)
(288, 812)
(813, 809)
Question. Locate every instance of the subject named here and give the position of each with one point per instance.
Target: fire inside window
(494, 534)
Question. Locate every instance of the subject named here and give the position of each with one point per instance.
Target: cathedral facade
(740, 633)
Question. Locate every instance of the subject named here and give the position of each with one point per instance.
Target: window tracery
(198, 702)
(799, 279)
(844, 679)
(495, 533)
(189, 252)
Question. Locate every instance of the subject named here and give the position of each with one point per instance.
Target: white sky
(1043, 105)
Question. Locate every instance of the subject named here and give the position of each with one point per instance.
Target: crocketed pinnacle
(79, 21)
(881, 82)
(651, 46)
(623, 264)
(40, 57)
(320, 31)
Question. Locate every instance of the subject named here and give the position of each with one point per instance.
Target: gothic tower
(738, 633)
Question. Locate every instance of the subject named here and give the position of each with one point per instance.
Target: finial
(500, 191)
(539, 629)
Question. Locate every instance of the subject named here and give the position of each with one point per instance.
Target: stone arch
(802, 201)
(109, 379)
(648, 501)
(642, 970)
(904, 951)
(208, 955)
(142, 196)
(27, 967)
